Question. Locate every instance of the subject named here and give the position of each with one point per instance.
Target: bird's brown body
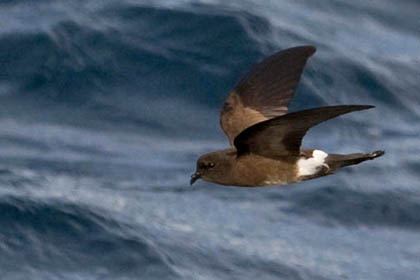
(252, 170)
(265, 138)
(255, 170)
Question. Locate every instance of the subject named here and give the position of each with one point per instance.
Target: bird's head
(214, 167)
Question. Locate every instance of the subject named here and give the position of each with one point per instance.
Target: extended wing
(265, 92)
(282, 136)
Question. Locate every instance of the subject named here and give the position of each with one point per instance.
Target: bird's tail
(336, 162)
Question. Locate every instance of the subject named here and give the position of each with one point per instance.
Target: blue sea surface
(106, 105)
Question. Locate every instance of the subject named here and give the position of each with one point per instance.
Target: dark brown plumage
(265, 92)
(266, 141)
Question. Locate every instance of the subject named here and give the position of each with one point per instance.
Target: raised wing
(264, 92)
(282, 136)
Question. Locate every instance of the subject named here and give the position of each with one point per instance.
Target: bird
(265, 139)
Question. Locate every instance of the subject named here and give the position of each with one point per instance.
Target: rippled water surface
(106, 105)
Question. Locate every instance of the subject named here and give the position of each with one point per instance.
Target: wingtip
(310, 50)
(362, 107)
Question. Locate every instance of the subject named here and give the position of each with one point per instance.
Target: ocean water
(106, 105)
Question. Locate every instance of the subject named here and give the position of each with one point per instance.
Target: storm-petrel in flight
(265, 139)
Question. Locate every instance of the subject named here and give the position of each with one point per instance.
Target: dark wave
(65, 237)
(116, 74)
(153, 52)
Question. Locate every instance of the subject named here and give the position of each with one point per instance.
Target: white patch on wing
(310, 166)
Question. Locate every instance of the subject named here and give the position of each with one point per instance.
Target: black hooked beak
(195, 177)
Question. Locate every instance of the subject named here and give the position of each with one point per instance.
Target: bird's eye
(205, 165)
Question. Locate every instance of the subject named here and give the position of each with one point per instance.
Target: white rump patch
(310, 166)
